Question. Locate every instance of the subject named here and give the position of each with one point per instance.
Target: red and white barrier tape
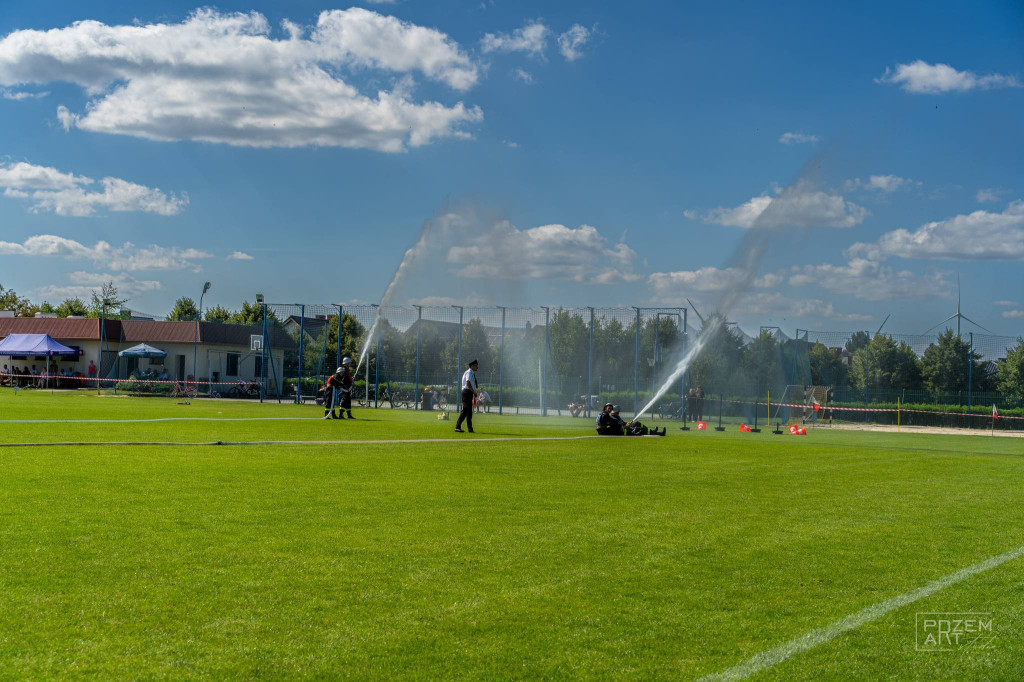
(188, 383)
(822, 408)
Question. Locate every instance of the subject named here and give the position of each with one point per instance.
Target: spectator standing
(700, 403)
(470, 387)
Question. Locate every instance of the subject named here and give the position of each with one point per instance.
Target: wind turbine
(958, 316)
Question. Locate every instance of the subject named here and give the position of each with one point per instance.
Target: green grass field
(645, 558)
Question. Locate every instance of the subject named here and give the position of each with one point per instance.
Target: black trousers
(467, 411)
(346, 400)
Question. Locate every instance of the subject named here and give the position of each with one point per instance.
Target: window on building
(232, 370)
(258, 372)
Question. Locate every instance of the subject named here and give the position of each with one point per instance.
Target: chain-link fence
(549, 360)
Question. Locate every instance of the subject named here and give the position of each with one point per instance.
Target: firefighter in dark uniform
(347, 380)
(332, 394)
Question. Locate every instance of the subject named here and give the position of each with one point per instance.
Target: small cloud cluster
(67, 194)
(885, 184)
(239, 255)
(798, 138)
(84, 283)
(920, 77)
(988, 196)
(557, 252)
(126, 258)
(798, 206)
(532, 39)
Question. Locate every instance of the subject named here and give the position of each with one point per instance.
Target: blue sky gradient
(667, 118)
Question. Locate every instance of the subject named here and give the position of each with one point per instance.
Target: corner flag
(995, 412)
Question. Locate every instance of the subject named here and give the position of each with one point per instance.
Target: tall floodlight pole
(636, 364)
(867, 373)
(458, 369)
(195, 340)
(590, 364)
(419, 329)
(657, 336)
(302, 336)
(544, 364)
(501, 360)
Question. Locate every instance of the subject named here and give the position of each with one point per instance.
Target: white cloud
(1014, 314)
(126, 258)
(510, 144)
(521, 75)
(531, 39)
(795, 207)
(21, 95)
(676, 285)
(798, 138)
(571, 42)
(222, 78)
(981, 235)
(989, 196)
(65, 193)
(239, 255)
(580, 254)
(777, 305)
(930, 79)
(869, 280)
(84, 283)
(885, 184)
(471, 300)
(1005, 304)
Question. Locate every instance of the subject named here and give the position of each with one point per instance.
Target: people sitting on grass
(483, 401)
(610, 423)
(577, 406)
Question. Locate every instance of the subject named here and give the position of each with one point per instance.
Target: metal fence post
(683, 379)
(970, 377)
(590, 365)
(458, 369)
(501, 360)
(302, 335)
(263, 357)
(867, 374)
(636, 364)
(544, 364)
(341, 311)
(419, 329)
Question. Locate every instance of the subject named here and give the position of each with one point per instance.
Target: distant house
(223, 352)
(311, 325)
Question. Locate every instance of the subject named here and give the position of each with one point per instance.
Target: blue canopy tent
(142, 351)
(35, 344)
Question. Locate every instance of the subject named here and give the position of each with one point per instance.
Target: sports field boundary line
(397, 441)
(772, 657)
(158, 419)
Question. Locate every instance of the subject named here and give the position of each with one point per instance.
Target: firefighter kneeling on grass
(339, 392)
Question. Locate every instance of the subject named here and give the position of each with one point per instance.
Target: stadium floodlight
(957, 316)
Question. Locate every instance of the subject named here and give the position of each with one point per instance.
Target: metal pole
(686, 347)
(419, 328)
(302, 334)
(590, 364)
(263, 357)
(544, 363)
(376, 368)
(970, 377)
(657, 337)
(501, 360)
(341, 311)
(458, 369)
(103, 342)
(636, 364)
(867, 374)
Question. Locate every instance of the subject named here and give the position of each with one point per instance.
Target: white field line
(156, 419)
(772, 657)
(403, 441)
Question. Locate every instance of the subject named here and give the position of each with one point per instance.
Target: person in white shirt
(469, 391)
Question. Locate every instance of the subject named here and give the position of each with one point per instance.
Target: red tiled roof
(148, 331)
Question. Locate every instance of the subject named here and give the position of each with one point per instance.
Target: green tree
(945, 365)
(890, 365)
(1010, 373)
(857, 341)
(218, 313)
(9, 300)
(184, 309)
(108, 297)
(474, 345)
(251, 313)
(828, 368)
(72, 306)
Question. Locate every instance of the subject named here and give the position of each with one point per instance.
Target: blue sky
(578, 153)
